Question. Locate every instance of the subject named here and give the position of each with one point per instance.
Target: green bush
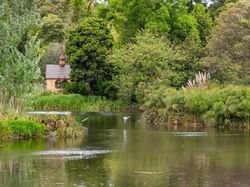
(218, 105)
(25, 128)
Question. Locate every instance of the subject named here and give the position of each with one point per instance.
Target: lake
(115, 153)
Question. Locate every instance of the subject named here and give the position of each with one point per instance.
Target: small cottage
(56, 75)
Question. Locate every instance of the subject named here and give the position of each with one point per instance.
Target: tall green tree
(171, 18)
(229, 54)
(204, 22)
(129, 16)
(149, 61)
(87, 48)
(19, 51)
(52, 29)
(83, 8)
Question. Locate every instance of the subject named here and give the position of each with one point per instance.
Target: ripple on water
(148, 172)
(191, 134)
(71, 154)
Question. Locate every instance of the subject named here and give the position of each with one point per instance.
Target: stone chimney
(62, 57)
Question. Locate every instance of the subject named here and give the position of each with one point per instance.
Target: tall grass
(21, 129)
(215, 106)
(61, 126)
(72, 131)
(5, 131)
(73, 102)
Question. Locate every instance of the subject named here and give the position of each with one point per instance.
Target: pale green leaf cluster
(149, 60)
(229, 53)
(20, 53)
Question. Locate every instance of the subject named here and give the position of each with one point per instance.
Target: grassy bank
(35, 127)
(73, 102)
(21, 129)
(221, 106)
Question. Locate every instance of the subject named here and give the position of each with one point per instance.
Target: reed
(213, 106)
(73, 102)
(5, 131)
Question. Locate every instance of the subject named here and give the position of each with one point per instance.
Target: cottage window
(58, 84)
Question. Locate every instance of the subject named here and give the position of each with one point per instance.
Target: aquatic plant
(60, 126)
(213, 106)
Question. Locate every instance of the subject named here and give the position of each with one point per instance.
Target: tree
(87, 48)
(204, 21)
(52, 29)
(229, 54)
(130, 16)
(184, 26)
(159, 21)
(19, 58)
(59, 8)
(83, 8)
(216, 6)
(171, 18)
(148, 61)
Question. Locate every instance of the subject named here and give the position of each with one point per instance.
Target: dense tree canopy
(87, 48)
(229, 53)
(60, 8)
(140, 65)
(171, 18)
(20, 52)
(52, 29)
(149, 61)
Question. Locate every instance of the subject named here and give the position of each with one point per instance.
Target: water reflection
(114, 154)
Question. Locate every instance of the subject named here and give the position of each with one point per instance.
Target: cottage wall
(51, 85)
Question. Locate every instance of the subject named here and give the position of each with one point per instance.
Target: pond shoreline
(77, 103)
(187, 121)
(227, 106)
(36, 127)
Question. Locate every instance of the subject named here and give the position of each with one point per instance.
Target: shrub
(218, 105)
(150, 61)
(25, 128)
(61, 126)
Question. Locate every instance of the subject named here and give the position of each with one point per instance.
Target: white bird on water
(125, 118)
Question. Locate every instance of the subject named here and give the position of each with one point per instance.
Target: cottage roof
(54, 71)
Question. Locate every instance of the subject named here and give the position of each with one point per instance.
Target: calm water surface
(128, 155)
